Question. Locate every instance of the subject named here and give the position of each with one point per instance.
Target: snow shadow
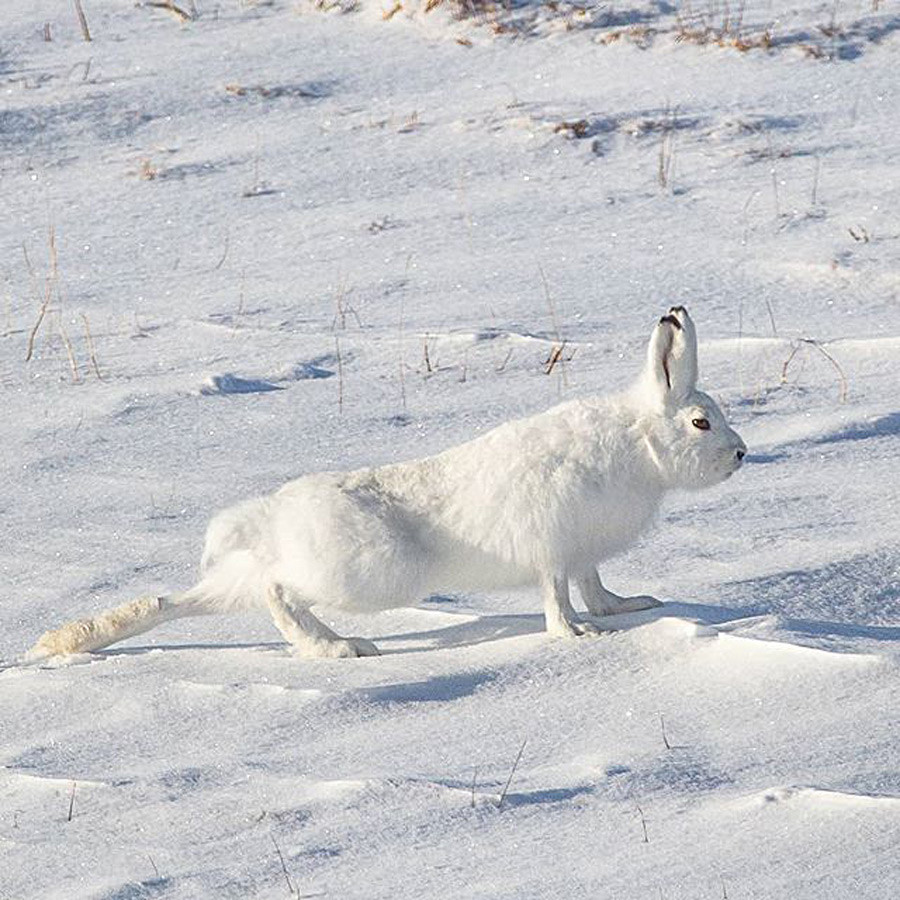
(763, 459)
(883, 426)
(548, 795)
(682, 770)
(229, 383)
(467, 633)
(861, 588)
(139, 890)
(773, 592)
(264, 646)
(486, 629)
(440, 689)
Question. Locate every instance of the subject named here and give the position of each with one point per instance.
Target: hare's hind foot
(307, 635)
(602, 602)
(86, 635)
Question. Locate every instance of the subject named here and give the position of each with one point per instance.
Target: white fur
(541, 501)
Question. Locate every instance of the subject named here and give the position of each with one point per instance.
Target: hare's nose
(740, 454)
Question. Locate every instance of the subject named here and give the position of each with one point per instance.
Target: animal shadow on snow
(467, 633)
(439, 689)
(486, 629)
(884, 426)
(139, 890)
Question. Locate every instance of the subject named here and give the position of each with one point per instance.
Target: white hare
(541, 501)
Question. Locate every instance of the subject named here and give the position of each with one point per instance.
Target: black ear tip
(670, 320)
(677, 309)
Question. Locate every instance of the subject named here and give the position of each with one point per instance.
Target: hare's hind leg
(306, 633)
(119, 623)
(602, 602)
(560, 617)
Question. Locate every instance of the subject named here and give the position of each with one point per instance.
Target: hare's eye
(702, 424)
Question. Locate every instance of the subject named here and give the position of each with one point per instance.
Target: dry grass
(556, 351)
(169, 6)
(340, 365)
(665, 737)
(290, 885)
(70, 352)
(646, 839)
(148, 171)
(665, 165)
(92, 353)
(51, 282)
(512, 772)
(82, 21)
(49, 315)
(71, 802)
(722, 26)
(803, 344)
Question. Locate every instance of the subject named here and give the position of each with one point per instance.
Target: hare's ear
(672, 355)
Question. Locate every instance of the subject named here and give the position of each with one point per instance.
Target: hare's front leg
(306, 633)
(558, 613)
(602, 602)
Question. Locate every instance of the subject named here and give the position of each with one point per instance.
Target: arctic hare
(540, 500)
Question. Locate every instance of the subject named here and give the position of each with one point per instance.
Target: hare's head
(687, 436)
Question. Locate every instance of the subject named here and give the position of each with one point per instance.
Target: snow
(262, 218)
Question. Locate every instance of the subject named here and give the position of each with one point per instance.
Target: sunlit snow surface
(287, 239)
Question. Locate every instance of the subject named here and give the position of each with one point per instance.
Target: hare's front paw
(634, 604)
(356, 647)
(342, 648)
(570, 629)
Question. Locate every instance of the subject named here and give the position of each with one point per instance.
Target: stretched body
(541, 500)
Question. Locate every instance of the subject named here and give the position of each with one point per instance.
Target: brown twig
(34, 330)
(662, 725)
(771, 316)
(179, 13)
(73, 365)
(287, 876)
(512, 772)
(71, 802)
(340, 362)
(666, 161)
(90, 342)
(556, 353)
(221, 261)
(795, 349)
(344, 309)
(554, 357)
(643, 824)
(82, 20)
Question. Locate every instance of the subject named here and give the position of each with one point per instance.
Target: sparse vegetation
(488, 158)
(82, 21)
(802, 344)
(512, 772)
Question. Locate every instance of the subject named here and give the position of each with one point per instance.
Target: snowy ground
(290, 239)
